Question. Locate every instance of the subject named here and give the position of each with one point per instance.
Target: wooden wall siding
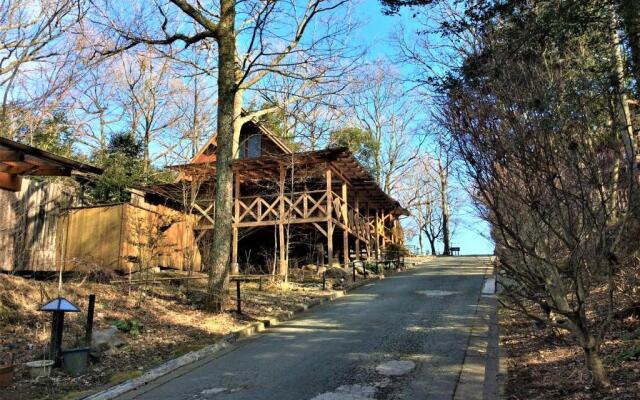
(29, 221)
(10, 219)
(177, 241)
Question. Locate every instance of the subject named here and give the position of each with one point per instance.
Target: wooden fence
(42, 229)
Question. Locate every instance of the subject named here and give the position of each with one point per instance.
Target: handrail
(288, 194)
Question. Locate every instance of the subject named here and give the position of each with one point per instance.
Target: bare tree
(444, 162)
(150, 109)
(251, 40)
(421, 194)
(554, 186)
(196, 122)
(380, 106)
(96, 107)
(36, 61)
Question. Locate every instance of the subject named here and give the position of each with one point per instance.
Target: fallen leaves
(546, 365)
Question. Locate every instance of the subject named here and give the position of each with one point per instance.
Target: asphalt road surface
(403, 337)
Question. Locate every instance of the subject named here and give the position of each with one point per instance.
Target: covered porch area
(318, 207)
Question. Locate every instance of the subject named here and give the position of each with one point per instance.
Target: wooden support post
(238, 299)
(383, 234)
(305, 205)
(377, 248)
(281, 220)
(235, 269)
(345, 221)
(395, 231)
(357, 225)
(354, 272)
(10, 182)
(89, 326)
(329, 218)
(369, 236)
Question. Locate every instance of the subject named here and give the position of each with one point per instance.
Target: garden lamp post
(57, 307)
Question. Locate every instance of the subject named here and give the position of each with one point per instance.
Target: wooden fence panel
(41, 231)
(93, 237)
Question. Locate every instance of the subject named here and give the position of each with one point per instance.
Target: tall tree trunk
(626, 120)
(377, 159)
(227, 92)
(420, 243)
(145, 142)
(588, 342)
(103, 136)
(443, 175)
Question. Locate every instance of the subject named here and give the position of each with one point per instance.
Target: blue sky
(470, 233)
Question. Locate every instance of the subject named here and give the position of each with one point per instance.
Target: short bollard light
(58, 307)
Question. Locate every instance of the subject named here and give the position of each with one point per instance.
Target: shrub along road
(402, 337)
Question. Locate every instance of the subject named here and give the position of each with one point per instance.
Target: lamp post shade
(60, 304)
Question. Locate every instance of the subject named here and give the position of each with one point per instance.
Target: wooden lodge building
(290, 208)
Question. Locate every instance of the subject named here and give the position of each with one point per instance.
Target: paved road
(400, 338)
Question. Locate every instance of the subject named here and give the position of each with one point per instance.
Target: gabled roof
(257, 124)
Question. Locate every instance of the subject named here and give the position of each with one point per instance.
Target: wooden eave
(340, 160)
(18, 160)
(21, 159)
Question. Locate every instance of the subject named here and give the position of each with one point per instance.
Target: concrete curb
(224, 343)
(503, 371)
(471, 382)
(503, 368)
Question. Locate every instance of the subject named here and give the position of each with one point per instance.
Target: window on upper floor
(251, 146)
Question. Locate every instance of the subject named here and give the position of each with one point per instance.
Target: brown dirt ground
(173, 319)
(543, 364)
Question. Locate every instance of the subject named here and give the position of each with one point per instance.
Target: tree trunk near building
(444, 186)
(195, 133)
(227, 121)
